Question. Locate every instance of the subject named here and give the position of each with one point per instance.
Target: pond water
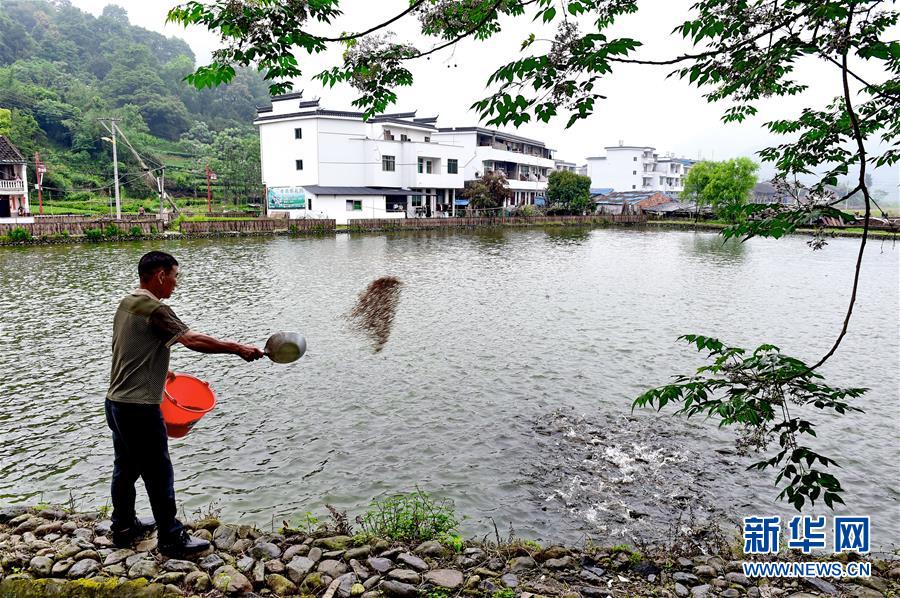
(505, 386)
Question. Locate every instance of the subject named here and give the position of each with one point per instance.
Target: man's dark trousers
(141, 451)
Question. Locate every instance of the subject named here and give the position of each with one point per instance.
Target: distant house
(13, 180)
(629, 202)
(563, 165)
(767, 192)
(638, 168)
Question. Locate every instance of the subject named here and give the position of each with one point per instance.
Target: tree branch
(468, 32)
(345, 38)
(857, 135)
(684, 57)
(869, 87)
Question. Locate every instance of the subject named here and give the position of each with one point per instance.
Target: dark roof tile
(8, 152)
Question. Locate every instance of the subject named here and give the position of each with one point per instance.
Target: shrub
(152, 230)
(413, 517)
(78, 196)
(63, 235)
(527, 211)
(18, 234)
(93, 234)
(135, 231)
(113, 231)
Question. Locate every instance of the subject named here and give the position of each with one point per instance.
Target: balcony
(12, 187)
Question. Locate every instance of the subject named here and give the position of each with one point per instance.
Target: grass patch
(18, 235)
(413, 517)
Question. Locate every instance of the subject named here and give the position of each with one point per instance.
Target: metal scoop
(285, 347)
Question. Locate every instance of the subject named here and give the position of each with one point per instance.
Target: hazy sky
(643, 106)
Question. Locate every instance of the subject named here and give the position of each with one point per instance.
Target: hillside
(62, 69)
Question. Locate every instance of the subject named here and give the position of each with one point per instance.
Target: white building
(563, 165)
(319, 163)
(13, 181)
(638, 168)
(525, 162)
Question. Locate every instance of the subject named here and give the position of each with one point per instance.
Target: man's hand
(249, 352)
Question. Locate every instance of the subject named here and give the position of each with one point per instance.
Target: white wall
(472, 166)
(335, 207)
(622, 169)
(343, 158)
(279, 151)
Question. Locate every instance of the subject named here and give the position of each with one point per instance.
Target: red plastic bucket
(185, 400)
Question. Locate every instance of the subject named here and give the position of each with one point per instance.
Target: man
(144, 329)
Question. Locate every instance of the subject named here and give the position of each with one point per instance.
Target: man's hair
(152, 262)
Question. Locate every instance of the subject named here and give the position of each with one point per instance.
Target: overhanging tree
(744, 52)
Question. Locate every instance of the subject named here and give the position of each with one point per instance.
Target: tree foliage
(743, 53)
(61, 69)
(488, 192)
(725, 186)
(755, 390)
(569, 191)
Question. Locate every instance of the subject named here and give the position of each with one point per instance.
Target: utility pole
(40, 170)
(161, 183)
(112, 131)
(210, 176)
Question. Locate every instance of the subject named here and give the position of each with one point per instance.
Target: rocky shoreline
(47, 551)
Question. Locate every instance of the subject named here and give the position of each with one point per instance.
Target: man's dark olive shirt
(144, 329)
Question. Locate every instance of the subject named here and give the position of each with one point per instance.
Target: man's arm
(204, 343)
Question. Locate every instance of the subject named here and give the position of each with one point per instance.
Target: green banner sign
(286, 198)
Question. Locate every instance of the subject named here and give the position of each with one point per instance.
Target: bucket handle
(180, 406)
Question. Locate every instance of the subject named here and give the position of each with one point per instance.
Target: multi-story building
(13, 181)
(333, 164)
(567, 166)
(638, 168)
(526, 163)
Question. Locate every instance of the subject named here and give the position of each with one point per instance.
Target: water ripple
(498, 333)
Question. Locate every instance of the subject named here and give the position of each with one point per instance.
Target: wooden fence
(256, 226)
(438, 223)
(319, 225)
(252, 227)
(62, 226)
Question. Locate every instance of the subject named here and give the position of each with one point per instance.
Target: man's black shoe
(183, 545)
(141, 527)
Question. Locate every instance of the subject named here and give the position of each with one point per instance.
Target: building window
(425, 166)
(452, 166)
(404, 137)
(354, 205)
(635, 158)
(634, 172)
(428, 140)
(298, 133)
(633, 187)
(298, 164)
(388, 163)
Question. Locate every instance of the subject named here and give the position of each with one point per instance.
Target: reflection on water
(497, 333)
(574, 235)
(714, 246)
